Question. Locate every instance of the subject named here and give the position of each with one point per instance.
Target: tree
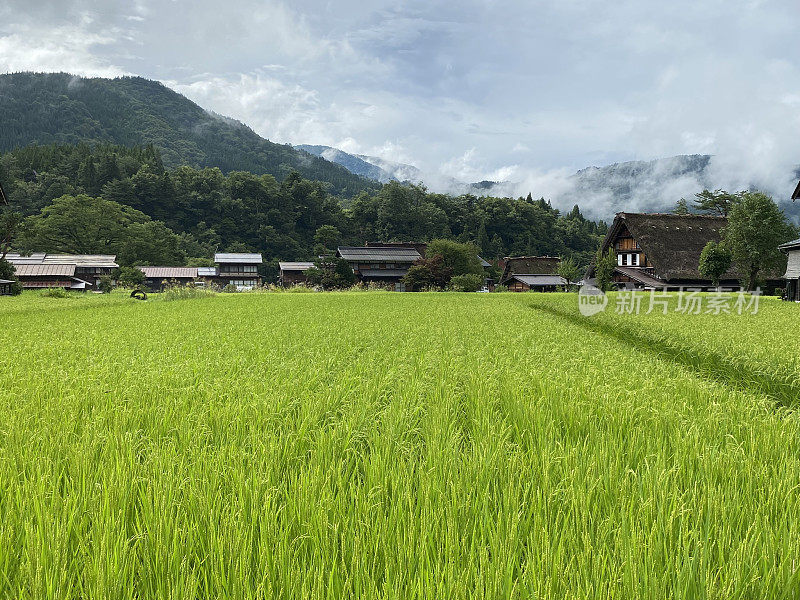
(459, 257)
(681, 207)
(756, 227)
(80, 225)
(105, 284)
(331, 273)
(569, 270)
(428, 273)
(129, 276)
(604, 269)
(715, 260)
(150, 243)
(8, 273)
(327, 236)
(718, 202)
(468, 282)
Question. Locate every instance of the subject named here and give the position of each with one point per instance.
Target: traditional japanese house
(525, 273)
(294, 273)
(5, 287)
(535, 283)
(88, 268)
(238, 269)
(662, 250)
(206, 276)
(383, 264)
(38, 276)
(159, 278)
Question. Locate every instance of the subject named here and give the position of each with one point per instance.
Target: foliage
(718, 202)
(8, 273)
(756, 227)
(210, 211)
(681, 207)
(425, 451)
(715, 260)
(129, 277)
(460, 258)
(569, 270)
(604, 269)
(468, 282)
(62, 108)
(105, 284)
(56, 292)
(428, 273)
(186, 292)
(331, 273)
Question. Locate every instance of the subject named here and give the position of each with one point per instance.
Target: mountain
(46, 108)
(370, 167)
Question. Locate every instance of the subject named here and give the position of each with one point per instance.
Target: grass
(395, 446)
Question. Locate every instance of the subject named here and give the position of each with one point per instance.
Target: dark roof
(45, 270)
(796, 193)
(394, 254)
(295, 266)
(484, 263)
(529, 265)
(641, 277)
(539, 280)
(672, 243)
(169, 272)
(420, 247)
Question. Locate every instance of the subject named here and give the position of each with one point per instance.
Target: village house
(531, 273)
(662, 250)
(792, 274)
(159, 278)
(293, 273)
(238, 269)
(70, 271)
(382, 264)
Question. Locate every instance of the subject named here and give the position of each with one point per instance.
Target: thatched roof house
(528, 265)
(662, 249)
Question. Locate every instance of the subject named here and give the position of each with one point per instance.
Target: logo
(591, 300)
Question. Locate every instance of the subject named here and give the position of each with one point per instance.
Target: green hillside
(46, 108)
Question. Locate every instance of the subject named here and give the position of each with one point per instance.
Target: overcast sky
(474, 89)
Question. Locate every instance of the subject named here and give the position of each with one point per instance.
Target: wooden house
(87, 269)
(238, 269)
(662, 250)
(792, 274)
(39, 276)
(535, 283)
(5, 287)
(294, 273)
(531, 273)
(383, 264)
(159, 278)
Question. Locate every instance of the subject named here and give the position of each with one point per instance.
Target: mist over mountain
(370, 167)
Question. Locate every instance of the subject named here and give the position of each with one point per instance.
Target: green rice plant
(382, 445)
(185, 292)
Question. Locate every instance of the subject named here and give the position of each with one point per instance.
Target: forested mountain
(46, 108)
(184, 212)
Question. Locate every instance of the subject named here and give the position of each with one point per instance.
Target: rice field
(380, 445)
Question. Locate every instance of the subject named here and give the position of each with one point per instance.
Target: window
(622, 259)
(634, 260)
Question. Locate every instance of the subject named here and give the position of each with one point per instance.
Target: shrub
(55, 293)
(184, 292)
(230, 289)
(469, 282)
(105, 284)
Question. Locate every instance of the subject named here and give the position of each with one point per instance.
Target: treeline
(206, 210)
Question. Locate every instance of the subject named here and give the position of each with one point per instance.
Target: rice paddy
(381, 445)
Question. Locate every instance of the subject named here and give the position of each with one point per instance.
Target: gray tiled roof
(26, 270)
(295, 266)
(370, 254)
(250, 258)
(540, 280)
(169, 272)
